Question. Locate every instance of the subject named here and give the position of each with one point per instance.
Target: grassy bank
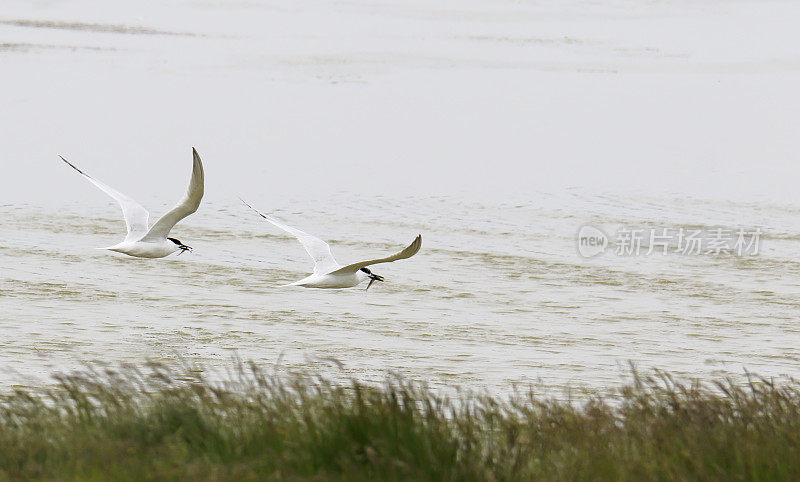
(158, 422)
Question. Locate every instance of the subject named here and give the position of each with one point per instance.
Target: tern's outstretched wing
(320, 252)
(410, 251)
(135, 215)
(186, 206)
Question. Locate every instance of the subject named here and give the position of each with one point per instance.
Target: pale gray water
(495, 129)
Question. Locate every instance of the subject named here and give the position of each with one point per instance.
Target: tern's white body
(330, 280)
(145, 249)
(328, 273)
(152, 242)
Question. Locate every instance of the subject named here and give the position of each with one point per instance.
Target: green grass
(157, 422)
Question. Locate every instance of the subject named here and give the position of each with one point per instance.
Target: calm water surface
(494, 129)
(498, 294)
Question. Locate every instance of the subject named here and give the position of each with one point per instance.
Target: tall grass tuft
(165, 422)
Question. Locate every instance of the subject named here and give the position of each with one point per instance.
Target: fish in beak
(373, 278)
(180, 246)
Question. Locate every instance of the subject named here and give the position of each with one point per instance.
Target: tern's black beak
(373, 278)
(180, 245)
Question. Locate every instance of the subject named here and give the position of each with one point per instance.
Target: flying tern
(154, 242)
(328, 273)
